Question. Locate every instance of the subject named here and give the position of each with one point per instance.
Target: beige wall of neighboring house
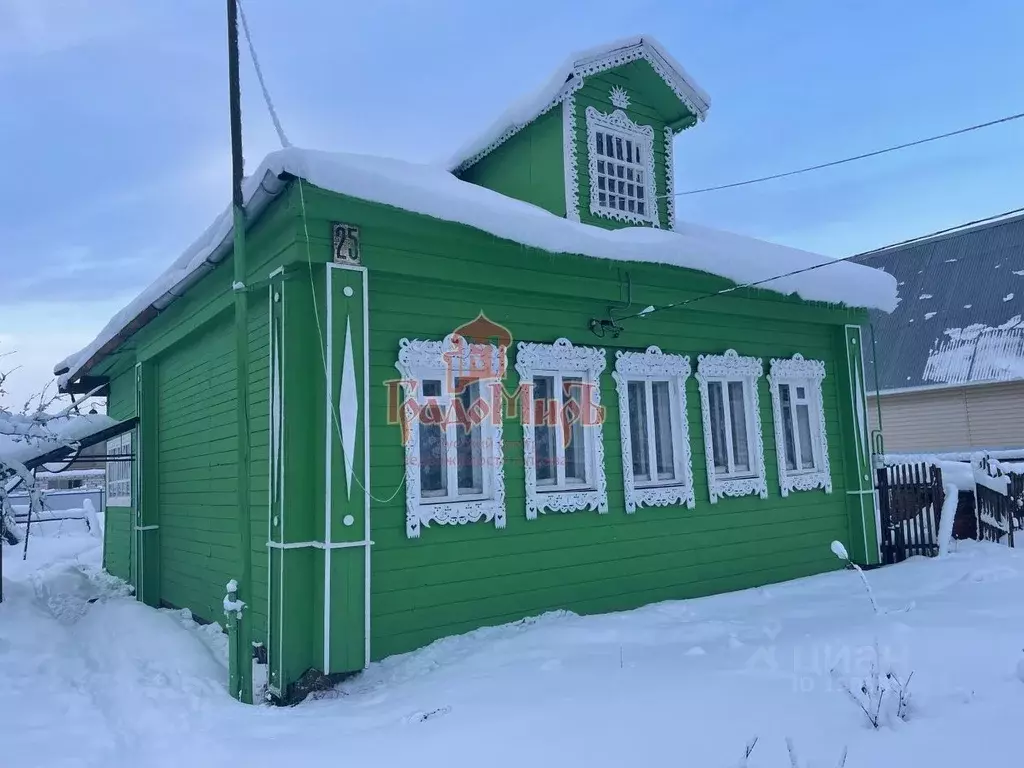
(951, 418)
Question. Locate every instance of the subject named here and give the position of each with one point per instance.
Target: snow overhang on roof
(430, 190)
(568, 78)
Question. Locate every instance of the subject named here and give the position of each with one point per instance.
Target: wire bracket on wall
(609, 326)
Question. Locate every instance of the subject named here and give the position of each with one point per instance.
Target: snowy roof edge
(433, 191)
(567, 78)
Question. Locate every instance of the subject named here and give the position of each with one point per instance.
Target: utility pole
(240, 672)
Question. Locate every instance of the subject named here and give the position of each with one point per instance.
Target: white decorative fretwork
(417, 360)
(637, 190)
(733, 367)
(670, 178)
(695, 100)
(588, 363)
(797, 371)
(654, 364)
(571, 162)
(619, 97)
(348, 410)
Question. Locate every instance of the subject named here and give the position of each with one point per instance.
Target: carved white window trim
(119, 473)
(795, 372)
(650, 366)
(563, 358)
(419, 360)
(619, 124)
(733, 367)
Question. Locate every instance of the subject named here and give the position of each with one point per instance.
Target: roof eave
(270, 187)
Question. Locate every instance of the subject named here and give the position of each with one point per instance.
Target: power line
(676, 304)
(876, 153)
(259, 76)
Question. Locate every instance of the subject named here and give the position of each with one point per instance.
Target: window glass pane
(637, 396)
(716, 405)
(469, 444)
(575, 448)
(801, 393)
(544, 430)
(786, 402)
(600, 143)
(431, 388)
(640, 208)
(433, 464)
(618, 150)
(738, 417)
(803, 418)
(664, 452)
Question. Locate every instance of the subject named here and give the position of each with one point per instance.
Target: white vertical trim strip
(366, 468)
(270, 480)
(329, 440)
(858, 397)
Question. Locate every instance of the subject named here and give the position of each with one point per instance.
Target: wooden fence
(910, 499)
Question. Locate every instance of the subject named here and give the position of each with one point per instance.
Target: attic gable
(569, 79)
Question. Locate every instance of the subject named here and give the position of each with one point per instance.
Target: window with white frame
(562, 436)
(733, 446)
(620, 162)
(119, 471)
(799, 416)
(454, 460)
(655, 437)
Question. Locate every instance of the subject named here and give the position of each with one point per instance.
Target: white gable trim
(561, 87)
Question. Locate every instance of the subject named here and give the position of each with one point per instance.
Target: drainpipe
(240, 673)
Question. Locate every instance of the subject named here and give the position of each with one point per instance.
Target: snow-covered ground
(89, 677)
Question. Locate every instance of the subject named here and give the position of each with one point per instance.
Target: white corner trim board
(555, 361)
(433, 360)
(732, 367)
(570, 159)
(647, 367)
(798, 372)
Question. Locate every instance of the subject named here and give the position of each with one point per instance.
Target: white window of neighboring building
(563, 449)
(733, 445)
(454, 460)
(119, 473)
(656, 467)
(800, 440)
(620, 161)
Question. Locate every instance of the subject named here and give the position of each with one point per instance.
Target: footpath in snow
(89, 677)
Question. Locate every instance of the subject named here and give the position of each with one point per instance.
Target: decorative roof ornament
(619, 97)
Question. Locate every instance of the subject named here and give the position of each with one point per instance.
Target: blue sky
(114, 123)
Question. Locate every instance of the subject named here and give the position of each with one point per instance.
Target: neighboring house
(86, 471)
(384, 302)
(950, 369)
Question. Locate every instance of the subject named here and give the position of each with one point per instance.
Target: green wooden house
(432, 399)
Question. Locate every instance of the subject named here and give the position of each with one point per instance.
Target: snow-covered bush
(883, 696)
(794, 760)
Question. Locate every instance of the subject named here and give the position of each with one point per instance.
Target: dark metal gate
(910, 500)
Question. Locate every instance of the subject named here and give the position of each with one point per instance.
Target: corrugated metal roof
(961, 313)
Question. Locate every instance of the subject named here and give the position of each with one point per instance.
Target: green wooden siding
(197, 437)
(425, 278)
(528, 166)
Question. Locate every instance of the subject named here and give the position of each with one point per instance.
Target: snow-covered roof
(433, 191)
(568, 78)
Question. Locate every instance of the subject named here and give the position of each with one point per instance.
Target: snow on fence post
(233, 608)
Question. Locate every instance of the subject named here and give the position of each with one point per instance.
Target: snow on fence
(51, 521)
(911, 493)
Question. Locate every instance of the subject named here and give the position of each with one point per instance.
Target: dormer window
(621, 164)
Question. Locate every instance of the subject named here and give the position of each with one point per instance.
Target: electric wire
(676, 304)
(863, 156)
